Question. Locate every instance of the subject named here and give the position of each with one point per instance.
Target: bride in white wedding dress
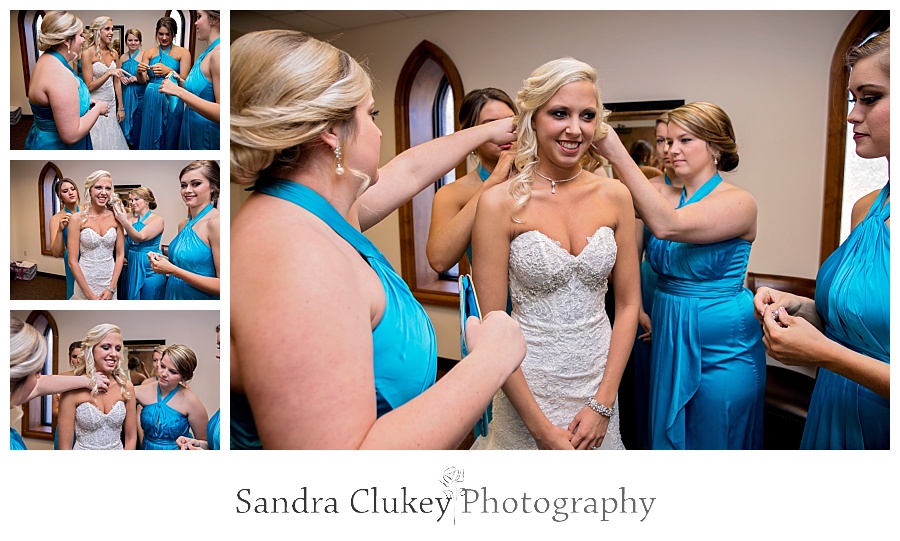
(97, 252)
(556, 234)
(100, 72)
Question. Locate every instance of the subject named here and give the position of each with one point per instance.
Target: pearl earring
(337, 156)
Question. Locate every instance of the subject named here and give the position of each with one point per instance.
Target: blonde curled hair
(279, 114)
(92, 179)
(184, 359)
(57, 27)
(27, 351)
(87, 366)
(537, 90)
(93, 33)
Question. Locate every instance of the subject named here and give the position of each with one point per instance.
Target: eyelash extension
(374, 113)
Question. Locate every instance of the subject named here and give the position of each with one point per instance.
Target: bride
(557, 234)
(91, 253)
(92, 419)
(99, 70)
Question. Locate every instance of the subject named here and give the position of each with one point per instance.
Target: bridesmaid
(453, 208)
(67, 192)
(850, 407)
(212, 427)
(707, 373)
(63, 109)
(200, 92)
(133, 91)
(157, 355)
(169, 408)
(160, 121)
(193, 260)
(144, 230)
(100, 72)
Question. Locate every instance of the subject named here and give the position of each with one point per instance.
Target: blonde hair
(538, 89)
(145, 194)
(92, 179)
(709, 122)
(57, 27)
(86, 359)
(279, 114)
(93, 33)
(133, 32)
(27, 351)
(184, 359)
(213, 15)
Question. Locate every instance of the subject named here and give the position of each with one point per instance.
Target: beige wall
(25, 238)
(193, 328)
(768, 70)
(145, 21)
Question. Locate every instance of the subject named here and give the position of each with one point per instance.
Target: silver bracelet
(598, 407)
(111, 290)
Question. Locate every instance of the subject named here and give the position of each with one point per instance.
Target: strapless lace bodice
(106, 91)
(95, 430)
(106, 134)
(558, 300)
(96, 260)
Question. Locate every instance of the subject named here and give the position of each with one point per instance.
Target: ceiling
(315, 22)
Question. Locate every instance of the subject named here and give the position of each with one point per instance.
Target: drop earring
(337, 156)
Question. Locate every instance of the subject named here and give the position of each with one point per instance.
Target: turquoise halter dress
(141, 283)
(70, 279)
(163, 425)
(853, 298)
(188, 252)
(212, 431)
(132, 100)
(43, 134)
(404, 345)
(15, 441)
(197, 131)
(160, 122)
(708, 366)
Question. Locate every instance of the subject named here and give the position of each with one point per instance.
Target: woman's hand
(106, 295)
(160, 263)
(64, 220)
(500, 333)
(503, 131)
(767, 299)
(502, 171)
(610, 145)
(188, 444)
(554, 437)
(143, 68)
(588, 429)
(170, 87)
(792, 340)
(160, 69)
(644, 322)
(120, 115)
(120, 213)
(101, 106)
(102, 382)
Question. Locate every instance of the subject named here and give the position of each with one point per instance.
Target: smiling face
(108, 353)
(106, 33)
(75, 43)
(492, 110)
(870, 87)
(101, 191)
(132, 42)
(690, 156)
(196, 191)
(167, 373)
(565, 127)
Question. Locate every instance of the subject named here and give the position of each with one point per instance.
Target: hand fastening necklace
(554, 181)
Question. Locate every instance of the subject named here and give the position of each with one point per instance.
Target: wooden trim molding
(413, 104)
(862, 24)
(32, 426)
(805, 287)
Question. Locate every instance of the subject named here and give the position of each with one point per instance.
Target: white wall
(193, 328)
(25, 234)
(768, 70)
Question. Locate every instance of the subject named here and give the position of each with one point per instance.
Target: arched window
(425, 108)
(49, 202)
(29, 23)
(844, 172)
(37, 419)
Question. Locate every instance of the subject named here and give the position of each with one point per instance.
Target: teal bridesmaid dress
(404, 343)
(141, 283)
(132, 100)
(160, 122)
(197, 131)
(212, 431)
(70, 279)
(43, 134)
(853, 298)
(15, 441)
(188, 252)
(163, 425)
(707, 372)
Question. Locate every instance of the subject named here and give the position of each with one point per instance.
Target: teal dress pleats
(132, 101)
(43, 134)
(707, 372)
(15, 441)
(160, 122)
(162, 425)
(188, 252)
(853, 298)
(212, 431)
(70, 279)
(197, 131)
(141, 283)
(404, 343)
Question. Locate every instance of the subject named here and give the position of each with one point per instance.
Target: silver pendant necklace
(553, 182)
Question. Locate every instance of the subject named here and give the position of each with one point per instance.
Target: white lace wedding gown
(96, 261)
(106, 134)
(96, 431)
(558, 300)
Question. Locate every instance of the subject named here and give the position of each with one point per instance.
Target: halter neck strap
(208, 49)
(203, 213)
(701, 192)
(483, 173)
(62, 59)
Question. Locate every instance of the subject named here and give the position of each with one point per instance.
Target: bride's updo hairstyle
(538, 89)
(86, 364)
(57, 27)
(184, 359)
(27, 351)
(279, 114)
(92, 39)
(708, 122)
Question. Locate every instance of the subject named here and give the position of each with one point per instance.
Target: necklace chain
(553, 182)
